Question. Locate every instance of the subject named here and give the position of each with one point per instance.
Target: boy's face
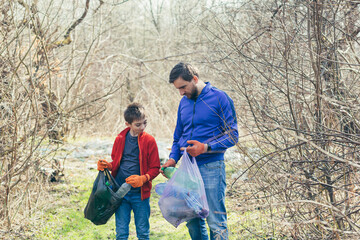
(137, 126)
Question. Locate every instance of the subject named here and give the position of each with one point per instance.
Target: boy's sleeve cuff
(147, 177)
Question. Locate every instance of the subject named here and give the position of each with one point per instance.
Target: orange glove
(196, 149)
(102, 164)
(137, 181)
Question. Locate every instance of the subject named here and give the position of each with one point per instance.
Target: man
(206, 126)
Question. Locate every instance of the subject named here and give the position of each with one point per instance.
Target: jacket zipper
(141, 189)
(192, 121)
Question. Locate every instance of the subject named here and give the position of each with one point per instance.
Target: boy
(135, 159)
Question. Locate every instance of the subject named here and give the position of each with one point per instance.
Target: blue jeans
(141, 209)
(214, 178)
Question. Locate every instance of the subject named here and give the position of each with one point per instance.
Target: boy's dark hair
(183, 70)
(134, 111)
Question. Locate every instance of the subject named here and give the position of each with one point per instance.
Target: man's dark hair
(183, 70)
(135, 111)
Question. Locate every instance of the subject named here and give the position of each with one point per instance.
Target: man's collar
(205, 90)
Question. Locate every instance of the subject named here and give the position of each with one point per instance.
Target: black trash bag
(103, 201)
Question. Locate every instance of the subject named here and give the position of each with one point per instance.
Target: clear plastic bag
(183, 196)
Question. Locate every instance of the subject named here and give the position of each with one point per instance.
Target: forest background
(69, 68)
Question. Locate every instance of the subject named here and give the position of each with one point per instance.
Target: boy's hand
(102, 164)
(137, 181)
(196, 149)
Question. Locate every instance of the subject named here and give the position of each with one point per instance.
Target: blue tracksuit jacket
(210, 119)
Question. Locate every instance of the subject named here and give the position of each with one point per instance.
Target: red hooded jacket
(148, 158)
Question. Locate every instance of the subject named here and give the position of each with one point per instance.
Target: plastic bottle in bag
(106, 195)
(159, 188)
(192, 201)
(123, 190)
(108, 184)
(169, 171)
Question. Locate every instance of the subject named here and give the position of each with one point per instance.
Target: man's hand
(196, 149)
(169, 163)
(137, 181)
(102, 164)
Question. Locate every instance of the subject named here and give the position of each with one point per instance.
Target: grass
(65, 218)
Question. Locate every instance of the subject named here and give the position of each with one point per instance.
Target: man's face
(137, 126)
(186, 88)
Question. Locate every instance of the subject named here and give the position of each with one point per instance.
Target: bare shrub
(44, 90)
(295, 63)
